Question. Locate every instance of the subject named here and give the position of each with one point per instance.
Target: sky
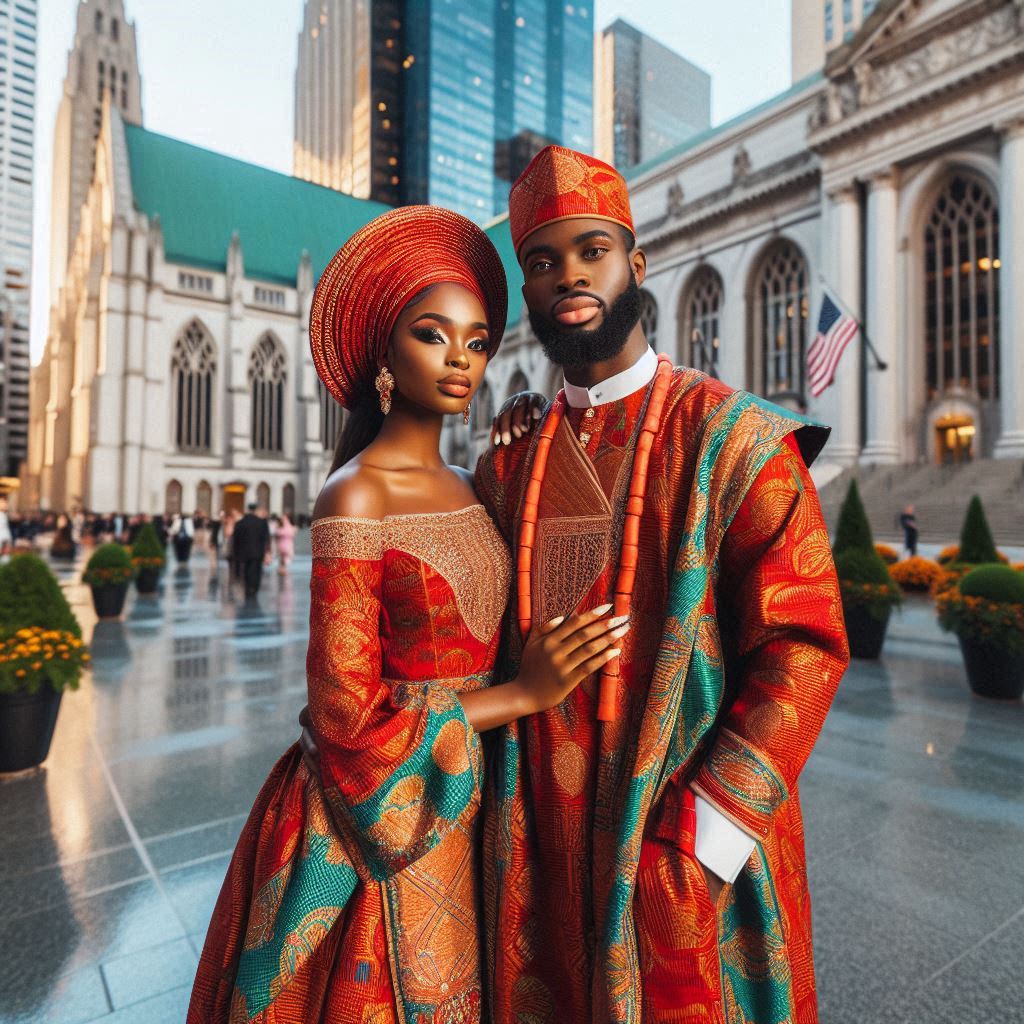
(220, 74)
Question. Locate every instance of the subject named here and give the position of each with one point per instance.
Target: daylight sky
(219, 73)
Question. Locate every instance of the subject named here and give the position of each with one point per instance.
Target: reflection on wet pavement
(112, 856)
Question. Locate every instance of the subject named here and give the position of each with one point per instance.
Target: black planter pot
(991, 671)
(27, 721)
(182, 548)
(865, 633)
(108, 599)
(146, 581)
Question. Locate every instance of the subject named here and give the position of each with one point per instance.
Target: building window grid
(331, 419)
(649, 316)
(702, 314)
(267, 376)
(780, 322)
(269, 296)
(962, 270)
(192, 366)
(195, 282)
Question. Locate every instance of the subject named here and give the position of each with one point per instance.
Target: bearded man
(644, 840)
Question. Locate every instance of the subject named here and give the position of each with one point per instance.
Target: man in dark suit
(250, 542)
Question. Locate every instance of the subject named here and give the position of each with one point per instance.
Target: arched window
(193, 362)
(518, 383)
(288, 501)
(649, 316)
(266, 383)
(172, 498)
(780, 322)
(330, 419)
(961, 254)
(483, 410)
(204, 498)
(701, 311)
(263, 496)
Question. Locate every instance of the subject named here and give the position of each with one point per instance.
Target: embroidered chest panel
(464, 547)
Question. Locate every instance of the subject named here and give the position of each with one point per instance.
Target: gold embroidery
(475, 561)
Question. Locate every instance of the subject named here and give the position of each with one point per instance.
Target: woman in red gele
(352, 896)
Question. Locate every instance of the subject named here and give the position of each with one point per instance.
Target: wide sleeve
(400, 765)
(782, 616)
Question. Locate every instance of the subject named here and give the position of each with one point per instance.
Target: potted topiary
(41, 654)
(867, 589)
(108, 573)
(976, 547)
(986, 611)
(148, 559)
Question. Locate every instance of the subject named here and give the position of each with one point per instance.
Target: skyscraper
(103, 59)
(439, 101)
(17, 138)
(647, 98)
(819, 26)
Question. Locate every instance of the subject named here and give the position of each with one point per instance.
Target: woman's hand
(563, 652)
(517, 416)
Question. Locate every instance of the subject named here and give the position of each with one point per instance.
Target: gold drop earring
(465, 413)
(384, 384)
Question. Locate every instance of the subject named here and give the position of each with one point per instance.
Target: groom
(651, 867)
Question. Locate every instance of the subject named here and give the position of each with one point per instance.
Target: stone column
(839, 406)
(884, 414)
(1011, 293)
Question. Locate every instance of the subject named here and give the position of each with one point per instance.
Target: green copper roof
(203, 197)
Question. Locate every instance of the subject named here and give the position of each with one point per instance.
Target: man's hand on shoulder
(516, 418)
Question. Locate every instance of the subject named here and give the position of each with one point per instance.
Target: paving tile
(177, 848)
(193, 891)
(149, 972)
(70, 999)
(168, 1008)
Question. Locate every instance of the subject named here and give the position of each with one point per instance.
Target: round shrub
(31, 596)
(864, 581)
(109, 565)
(147, 552)
(40, 639)
(997, 583)
(861, 567)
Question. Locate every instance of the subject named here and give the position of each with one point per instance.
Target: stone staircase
(939, 495)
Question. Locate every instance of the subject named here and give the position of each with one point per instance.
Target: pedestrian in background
(250, 544)
(909, 523)
(284, 539)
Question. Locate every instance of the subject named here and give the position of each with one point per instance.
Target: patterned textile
(597, 909)
(560, 183)
(354, 898)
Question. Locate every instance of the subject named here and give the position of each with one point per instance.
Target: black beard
(575, 346)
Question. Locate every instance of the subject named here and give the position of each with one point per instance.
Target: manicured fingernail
(517, 432)
(506, 437)
(497, 441)
(621, 631)
(614, 653)
(557, 621)
(535, 413)
(619, 620)
(602, 609)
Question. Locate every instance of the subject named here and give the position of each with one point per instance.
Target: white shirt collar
(639, 375)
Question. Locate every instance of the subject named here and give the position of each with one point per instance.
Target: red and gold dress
(354, 898)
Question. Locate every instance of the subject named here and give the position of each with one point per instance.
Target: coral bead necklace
(630, 550)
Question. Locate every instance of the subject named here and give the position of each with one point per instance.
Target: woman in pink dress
(284, 538)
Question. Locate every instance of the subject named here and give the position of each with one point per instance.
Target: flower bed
(887, 553)
(916, 574)
(33, 656)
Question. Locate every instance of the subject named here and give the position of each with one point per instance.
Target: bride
(353, 896)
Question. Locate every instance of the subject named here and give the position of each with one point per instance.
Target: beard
(575, 346)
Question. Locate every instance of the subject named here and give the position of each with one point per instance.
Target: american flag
(835, 331)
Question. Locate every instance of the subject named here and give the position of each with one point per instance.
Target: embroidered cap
(373, 276)
(561, 183)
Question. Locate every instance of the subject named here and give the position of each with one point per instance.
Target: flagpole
(880, 363)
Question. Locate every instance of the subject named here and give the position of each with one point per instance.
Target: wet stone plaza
(112, 855)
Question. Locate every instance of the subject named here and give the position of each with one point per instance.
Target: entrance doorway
(954, 439)
(233, 499)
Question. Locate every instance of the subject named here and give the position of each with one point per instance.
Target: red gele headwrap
(377, 271)
(561, 183)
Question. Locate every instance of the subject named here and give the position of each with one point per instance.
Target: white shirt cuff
(721, 846)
